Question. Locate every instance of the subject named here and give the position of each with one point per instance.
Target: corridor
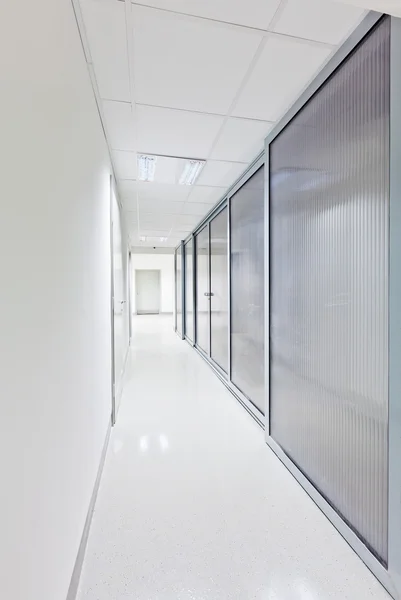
(193, 505)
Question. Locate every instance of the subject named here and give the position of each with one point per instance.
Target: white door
(147, 292)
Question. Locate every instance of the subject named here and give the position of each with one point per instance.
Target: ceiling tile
(390, 7)
(130, 204)
(210, 195)
(186, 221)
(181, 232)
(183, 62)
(160, 207)
(221, 173)
(241, 140)
(284, 68)
(119, 124)
(156, 221)
(194, 208)
(176, 132)
(131, 216)
(127, 188)
(125, 164)
(106, 32)
(253, 13)
(320, 20)
(160, 191)
(155, 232)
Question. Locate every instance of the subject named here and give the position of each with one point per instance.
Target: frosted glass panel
(189, 291)
(178, 283)
(219, 289)
(202, 288)
(329, 199)
(247, 289)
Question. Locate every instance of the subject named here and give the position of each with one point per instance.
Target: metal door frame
(216, 365)
(205, 353)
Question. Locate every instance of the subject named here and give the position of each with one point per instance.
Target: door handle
(208, 294)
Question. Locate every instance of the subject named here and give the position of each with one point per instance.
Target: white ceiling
(202, 79)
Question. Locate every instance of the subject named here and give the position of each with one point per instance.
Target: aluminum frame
(390, 577)
(394, 514)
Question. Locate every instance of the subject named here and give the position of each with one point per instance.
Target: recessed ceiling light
(146, 167)
(142, 238)
(163, 239)
(191, 171)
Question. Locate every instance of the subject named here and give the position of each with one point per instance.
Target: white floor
(194, 506)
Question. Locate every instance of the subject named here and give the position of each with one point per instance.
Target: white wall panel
(55, 371)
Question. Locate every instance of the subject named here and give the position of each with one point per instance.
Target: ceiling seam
(197, 112)
(76, 8)
(131, 75)
(265, 32)
(241, 86)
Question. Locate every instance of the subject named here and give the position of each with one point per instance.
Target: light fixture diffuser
(146, 167)
(191, 172)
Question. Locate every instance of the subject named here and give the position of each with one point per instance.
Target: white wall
(55, 305)
(164, 263)
(120, 290)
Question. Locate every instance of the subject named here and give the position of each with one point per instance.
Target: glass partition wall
(229, 324)
(189, 290)
(297, 291)
(248, 289)
(219, 290)
(202, 251)
(179, 289)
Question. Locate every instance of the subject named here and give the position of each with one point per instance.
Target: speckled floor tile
(194, 506)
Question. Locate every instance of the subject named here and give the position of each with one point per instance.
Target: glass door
(178, 291)
(189, 291)
(202, 255)
(219, 289)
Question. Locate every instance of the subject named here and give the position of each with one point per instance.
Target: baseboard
(76, 574)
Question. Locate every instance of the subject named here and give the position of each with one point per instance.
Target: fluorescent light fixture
(163, 239)
(191, 171)
(146, 167)
(142, 238)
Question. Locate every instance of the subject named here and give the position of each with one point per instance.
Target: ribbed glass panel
(247, 289)
(189, 291)
(329, 199)
(178, 283)
(202, 289)
(219, 289)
